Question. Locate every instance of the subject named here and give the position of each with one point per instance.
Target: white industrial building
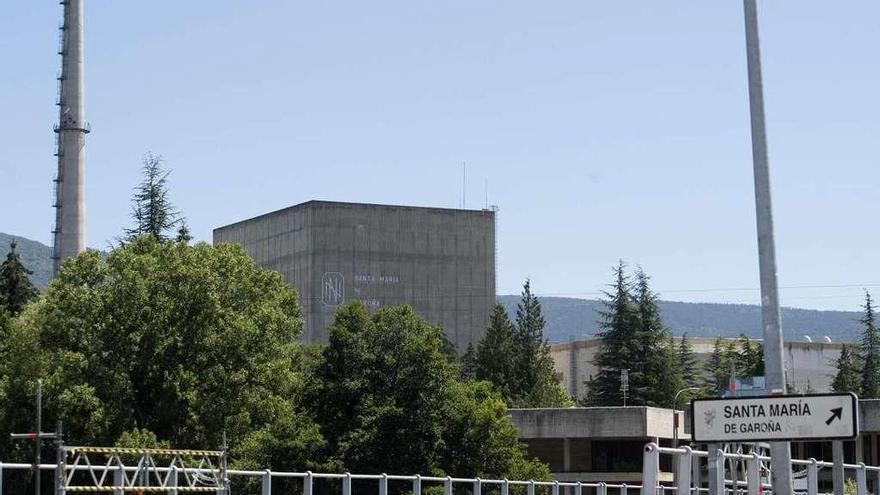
(809, 365)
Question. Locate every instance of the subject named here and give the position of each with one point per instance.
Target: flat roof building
(809, 365)
(593, 444)
(440, 261)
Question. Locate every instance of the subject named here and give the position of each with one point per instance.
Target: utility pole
(780, 452)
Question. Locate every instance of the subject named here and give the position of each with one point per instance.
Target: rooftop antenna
(463, 184)
(69, 235)
(486, 204)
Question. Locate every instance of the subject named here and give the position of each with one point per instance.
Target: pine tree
(655, 375)
(618, 323)
(717, 368)
(469, 363)
(870, 352)
(689, 371)
(152, 211)
(183, 234)
(16, 289)
(847, 378)
(535, 383)
(750, 360)
(672, 379)
(495, 357)
(528, 337)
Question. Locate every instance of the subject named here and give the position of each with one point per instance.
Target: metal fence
(415, 484)
(688, 473)
(117, 478)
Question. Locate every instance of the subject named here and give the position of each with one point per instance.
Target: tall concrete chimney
(71, 130)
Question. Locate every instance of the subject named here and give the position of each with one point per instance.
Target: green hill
(568, 317)
(35, 256)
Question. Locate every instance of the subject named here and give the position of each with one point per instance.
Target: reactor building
(440, 261)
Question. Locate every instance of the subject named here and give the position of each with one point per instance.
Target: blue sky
(606, 130)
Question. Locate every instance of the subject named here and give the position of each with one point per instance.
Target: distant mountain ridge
(35, 256)
(578, 318)
(569, 317)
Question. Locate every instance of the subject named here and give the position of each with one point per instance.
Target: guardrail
(417, 483)
(687, 464)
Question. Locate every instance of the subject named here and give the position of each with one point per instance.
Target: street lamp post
(675, 412)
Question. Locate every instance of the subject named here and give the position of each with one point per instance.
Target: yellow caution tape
(141, 488)
(120, 450)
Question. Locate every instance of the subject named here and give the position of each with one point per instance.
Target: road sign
(774, 418)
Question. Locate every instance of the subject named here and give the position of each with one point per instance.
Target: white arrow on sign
(781, 417)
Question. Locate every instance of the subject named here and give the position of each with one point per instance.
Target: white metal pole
(837, 476)
(753, 474)
(780, 452)
(38, 441)
(861, 480)
(266, 484)
(812, 478)
(683, 472)
(715, 469)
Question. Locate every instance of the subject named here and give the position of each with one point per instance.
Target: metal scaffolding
(120, 470)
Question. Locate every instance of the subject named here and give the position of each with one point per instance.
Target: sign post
(837, 477)
(775, 418)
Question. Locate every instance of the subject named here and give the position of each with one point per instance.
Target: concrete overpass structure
(596, 443)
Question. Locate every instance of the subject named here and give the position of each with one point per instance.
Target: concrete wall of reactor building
(439, 261)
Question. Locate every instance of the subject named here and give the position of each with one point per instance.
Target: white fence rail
(688, 463)
(416, 483)
(688, 472)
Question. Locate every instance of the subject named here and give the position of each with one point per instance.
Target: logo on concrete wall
(332, 288)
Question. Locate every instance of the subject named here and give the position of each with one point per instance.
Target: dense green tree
(183, 233)
(388, 400)
(618, 349)
(137, 438)
(152, 210)
(689, 368)
(18, 378)
(546, 391)
(528, 337)
(480, 438)
(496, 356)
(656, 375)
(750, 359)
(744, 356)
(848, 376)
(469, 363)
(717, 367)
(535, 379)
(16, 289)
(177, 341)
(870, 352)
